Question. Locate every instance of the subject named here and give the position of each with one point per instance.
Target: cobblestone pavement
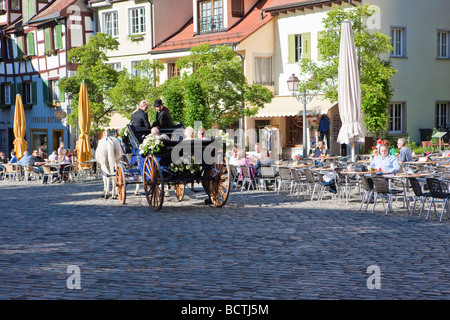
(260, 245)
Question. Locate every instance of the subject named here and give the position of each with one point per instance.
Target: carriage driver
(163, 117)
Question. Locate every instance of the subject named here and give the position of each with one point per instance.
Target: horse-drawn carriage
(167, 168)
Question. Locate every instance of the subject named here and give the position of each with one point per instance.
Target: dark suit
(163, 119)
(139, 119)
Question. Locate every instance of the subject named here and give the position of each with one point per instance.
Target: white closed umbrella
(349, 91)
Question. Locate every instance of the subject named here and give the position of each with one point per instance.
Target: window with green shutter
(19, 46)
(58, 36)
(306, 45)
(34, 93)
(299, 47)
(48, 39)
(19, 88)
(320, 36)
(291, 48)
(30, 44)
(45, 91)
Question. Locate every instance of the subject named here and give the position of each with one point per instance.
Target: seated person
(405, 152)
(243, 161)
(155, 132)
(202, 134)
(391, 149)
(42, 153)
(139, 118)
(25, 159)
(264, 161)
(13, 157)
(321, 151)
(3, 160)
(385, 163)
(53, 157)
(189, 133)
(64, 169)
(36, 161)
(163, 117)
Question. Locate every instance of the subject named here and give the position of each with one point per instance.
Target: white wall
(422, 80)
(294, 23)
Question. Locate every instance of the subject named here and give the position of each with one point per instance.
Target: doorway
(58, 136)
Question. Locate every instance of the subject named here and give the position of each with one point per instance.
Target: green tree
(228, 96)
(196, 104)
(375, 73)
(173, 95)
(130, 89)
(98, 76)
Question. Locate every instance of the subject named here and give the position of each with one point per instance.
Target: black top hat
(158, 102)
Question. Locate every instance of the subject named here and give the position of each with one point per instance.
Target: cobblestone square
(259, 246)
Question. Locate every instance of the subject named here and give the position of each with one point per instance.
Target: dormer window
(211, 16)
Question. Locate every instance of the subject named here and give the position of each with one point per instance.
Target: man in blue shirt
(405, 152)
(385, 162)
(13, 157)
(25, 159)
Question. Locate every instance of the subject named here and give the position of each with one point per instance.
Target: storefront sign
(60, 115)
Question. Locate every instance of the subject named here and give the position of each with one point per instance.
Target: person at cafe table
(321, 151)
(384, 162)
(405, 152)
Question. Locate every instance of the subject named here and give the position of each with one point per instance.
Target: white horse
(108, 155)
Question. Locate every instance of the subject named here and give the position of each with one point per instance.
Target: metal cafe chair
(299, 183)
(235, 177)
(382, 189)
(419, 195)
(439, 192)
(12, 171)
(268, 174)
(284, 178)
(49, 174)
(312, 183)
(246, 175)
(368, 187)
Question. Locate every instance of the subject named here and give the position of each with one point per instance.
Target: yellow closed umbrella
(84, 120)
(20, 128)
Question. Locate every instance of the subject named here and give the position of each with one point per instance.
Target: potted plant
(136, 37)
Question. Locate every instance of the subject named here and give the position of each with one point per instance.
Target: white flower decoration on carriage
(150, 144)
(185, 164)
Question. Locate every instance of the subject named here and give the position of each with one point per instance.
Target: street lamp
(304, 98)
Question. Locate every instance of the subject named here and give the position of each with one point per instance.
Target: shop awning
(289, 106)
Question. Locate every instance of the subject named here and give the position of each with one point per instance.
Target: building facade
(269, 36)
(35, 38)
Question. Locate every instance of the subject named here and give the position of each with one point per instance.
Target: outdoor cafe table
(422, 162)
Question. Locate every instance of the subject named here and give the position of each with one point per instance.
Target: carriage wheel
(179, 190)
(153, 183)
(121, 184)
(219, 185)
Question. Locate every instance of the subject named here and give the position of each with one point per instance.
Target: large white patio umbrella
(349, 91)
